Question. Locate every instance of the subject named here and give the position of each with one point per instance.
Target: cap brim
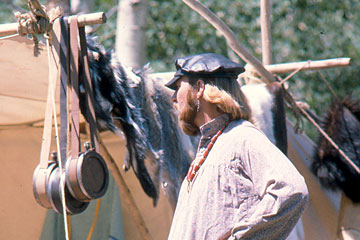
(172, 83)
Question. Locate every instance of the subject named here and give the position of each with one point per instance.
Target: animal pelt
(342, 124)
(268, 113)
(156, 147)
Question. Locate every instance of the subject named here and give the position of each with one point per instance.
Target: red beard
(187, 116)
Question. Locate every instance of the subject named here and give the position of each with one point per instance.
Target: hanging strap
(46, 139)
(53, 59)
(41, 178)
(89, 90)
(74, 70)
(64, 38)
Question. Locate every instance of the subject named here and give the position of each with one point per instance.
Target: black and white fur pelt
(268, 112)
(342, 124)
(157, 150)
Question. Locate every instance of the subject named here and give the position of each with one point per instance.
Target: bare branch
(231, 39)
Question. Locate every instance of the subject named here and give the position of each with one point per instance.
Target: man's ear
(200, 85)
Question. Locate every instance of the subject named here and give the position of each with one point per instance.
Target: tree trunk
(82, 6)
(130, 35)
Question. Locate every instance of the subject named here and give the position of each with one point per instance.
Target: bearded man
(239, 186)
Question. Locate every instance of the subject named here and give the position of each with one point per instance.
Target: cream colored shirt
(246, 188)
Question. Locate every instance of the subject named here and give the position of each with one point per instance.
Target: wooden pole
(265, 16)
(85, 19)
(8, 29)
(125, 192)
(309, 65)
(231, 39)
(91, 19)
(286, 67)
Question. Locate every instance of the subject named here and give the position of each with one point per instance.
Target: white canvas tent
(23, 88)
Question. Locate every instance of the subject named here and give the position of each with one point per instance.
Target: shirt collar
(210, 128)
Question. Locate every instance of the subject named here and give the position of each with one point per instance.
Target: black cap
(206, 65)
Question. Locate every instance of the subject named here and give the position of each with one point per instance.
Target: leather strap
(74, 70)
(41, 178)
(89, 90)
(63, 90)
(46, 139)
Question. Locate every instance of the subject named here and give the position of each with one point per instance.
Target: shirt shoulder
(240, 133)
(243, 127)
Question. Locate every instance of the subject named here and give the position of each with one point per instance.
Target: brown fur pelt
(342, 124)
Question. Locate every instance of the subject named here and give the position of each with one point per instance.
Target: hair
(226, 94)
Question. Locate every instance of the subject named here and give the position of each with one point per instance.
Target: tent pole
(309, 65)
(84, 19)
(265, 16)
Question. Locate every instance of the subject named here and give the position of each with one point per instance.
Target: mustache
(176, 106)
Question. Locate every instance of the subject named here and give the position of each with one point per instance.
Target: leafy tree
(301, 30)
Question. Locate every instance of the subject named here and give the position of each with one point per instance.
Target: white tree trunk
(130, 36)
(82, 6)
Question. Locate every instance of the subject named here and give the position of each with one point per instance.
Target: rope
(92, 228)
(329, 87)
(37, 21)
(294, 72)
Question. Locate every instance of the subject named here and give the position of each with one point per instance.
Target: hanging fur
(157, 150)
(156, 147)
(268, 113)
(342, 124)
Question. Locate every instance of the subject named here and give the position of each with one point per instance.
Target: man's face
(185, 102)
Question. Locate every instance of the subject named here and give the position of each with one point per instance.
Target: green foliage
(9, 7)
(301, 30)
(175, 30)
(318, 30)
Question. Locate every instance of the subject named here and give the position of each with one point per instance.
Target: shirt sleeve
(281, 192)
